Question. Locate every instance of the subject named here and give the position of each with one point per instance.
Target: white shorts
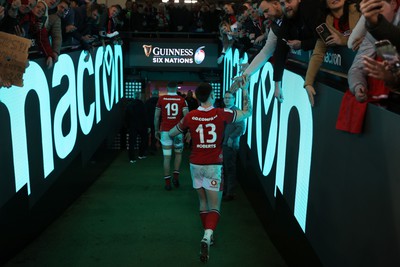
(209, 177)
(176, 142)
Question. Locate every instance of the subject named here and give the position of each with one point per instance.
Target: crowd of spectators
(362, 26)
(53, 24)
(263, 29)
(238, 25)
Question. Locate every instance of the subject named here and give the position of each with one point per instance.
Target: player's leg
(212, 184)
(166, 164)
(178, 145)
(203, 208)
(197, 179)
(214, 205)
(166, 143)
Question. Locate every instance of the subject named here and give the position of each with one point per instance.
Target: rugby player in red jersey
(172, 108)
(206, 126)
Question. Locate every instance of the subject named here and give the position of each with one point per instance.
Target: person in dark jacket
(377, 25)
(86, 20)
(230, 147)
(13, 12)
(191, 101)
(137, 125)
(297, 32)
(151, 104)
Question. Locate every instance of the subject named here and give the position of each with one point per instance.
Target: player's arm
(157, 114)
(175, 130)
(247, 107)
(185, 111)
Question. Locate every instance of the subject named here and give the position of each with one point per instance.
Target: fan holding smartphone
(323, 32)
(341, 18)
(388, 52)
(387, 70)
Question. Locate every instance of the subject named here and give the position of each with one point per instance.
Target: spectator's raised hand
(259, 39)
(371, 9)
(294, 44)
(224, 29)
(243, 66)
(311, 93)
(19, 31)
(333, 39)
(278, 92)
(2, 11)
(88, 38)
(361, 94)
(239, 82)
(55, 56)
(70, 28)
(49, 62)
(378, 69)
(357, 42)
(4, 84)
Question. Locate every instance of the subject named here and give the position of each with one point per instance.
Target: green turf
(126, 218)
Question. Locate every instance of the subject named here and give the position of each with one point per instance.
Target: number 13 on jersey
(209, 130)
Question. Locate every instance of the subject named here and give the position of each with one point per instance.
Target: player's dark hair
(203, 92)
(172, 84)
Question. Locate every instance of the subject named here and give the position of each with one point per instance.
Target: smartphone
(388, 52)
(323, 32)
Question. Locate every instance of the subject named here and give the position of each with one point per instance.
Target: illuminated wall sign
(337, 58)
(295, 98)
(73, 116)
(165, 53)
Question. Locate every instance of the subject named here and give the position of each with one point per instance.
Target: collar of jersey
(172, 94)
(205, 109)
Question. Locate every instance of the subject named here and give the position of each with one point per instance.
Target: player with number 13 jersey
(206, 127)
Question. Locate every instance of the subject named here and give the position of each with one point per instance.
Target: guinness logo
(147, 50)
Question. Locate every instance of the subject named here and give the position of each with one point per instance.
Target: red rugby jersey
(172, 107)
(206, 128)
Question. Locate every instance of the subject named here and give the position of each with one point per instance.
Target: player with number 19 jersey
(172, 107)
(206, 126)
